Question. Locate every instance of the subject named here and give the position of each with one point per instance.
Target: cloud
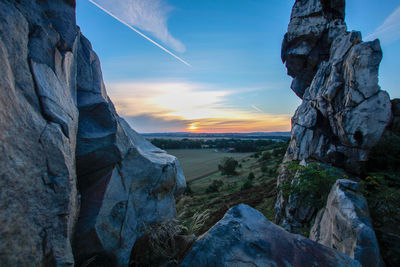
(184, 106)
(171, 99)
(150, 123)
(148, 15)
(389, 30)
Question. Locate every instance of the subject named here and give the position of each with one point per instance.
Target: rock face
(344, 112)
(126, 183)
(343, 115)
(62, 141)
(244, 237)
(344, 224)
(38, 126)
(313, 25)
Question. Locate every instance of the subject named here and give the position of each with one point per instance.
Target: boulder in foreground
(345, 224)
(244, 237)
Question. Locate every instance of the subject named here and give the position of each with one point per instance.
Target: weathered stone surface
(344, 113)
(59, 129)
(313, 25)
(126, 183)
(344, 224)
(125, 198)
(38, 124)
(244, 237)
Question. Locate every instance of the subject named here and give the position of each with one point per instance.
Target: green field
(198, 163)
(203, 204)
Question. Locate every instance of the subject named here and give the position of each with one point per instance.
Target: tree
(248, 184)
(214, 186)
(251, 176)
(264, 167)
(265, 156)
(228, 166)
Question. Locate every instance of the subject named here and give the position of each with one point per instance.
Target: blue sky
(236, 81)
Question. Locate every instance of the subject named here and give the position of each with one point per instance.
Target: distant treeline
(238, 145)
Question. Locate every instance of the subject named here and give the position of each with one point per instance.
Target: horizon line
(186, 132)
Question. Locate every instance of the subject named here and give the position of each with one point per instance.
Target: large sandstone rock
(313, 25)
(244, 237)
(38, 125)
(61, 140)
(344, 224)
(344, 113)
(126, 183)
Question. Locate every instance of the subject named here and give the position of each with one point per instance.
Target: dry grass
(161, 243)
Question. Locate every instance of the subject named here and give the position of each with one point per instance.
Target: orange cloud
(195, 107)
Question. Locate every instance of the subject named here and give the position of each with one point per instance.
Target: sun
(192, 128)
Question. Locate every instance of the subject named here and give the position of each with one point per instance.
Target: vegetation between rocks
(381, 185)
(311, 184)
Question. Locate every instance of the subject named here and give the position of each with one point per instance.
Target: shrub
(265, 156)
(214, 186)
(385, 155)
(248, 184)
(382, 191)
(381, 186)
(272, 172)
(311, 184)
(228, 166)
(264, 168)
(251, 176)
(188, 190)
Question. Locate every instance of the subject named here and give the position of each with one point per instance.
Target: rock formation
(345, 224)
(344, 113)
(77, 183)
(126, 183)
(72, 171)
(244, 237)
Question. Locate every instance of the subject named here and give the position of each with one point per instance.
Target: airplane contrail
(138, 32)
(257, 108)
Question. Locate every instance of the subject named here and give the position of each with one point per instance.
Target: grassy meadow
(198, 163)
(208, 198)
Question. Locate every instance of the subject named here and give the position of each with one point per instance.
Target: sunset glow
(236, 81)
(191, 107)
(192, 128)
